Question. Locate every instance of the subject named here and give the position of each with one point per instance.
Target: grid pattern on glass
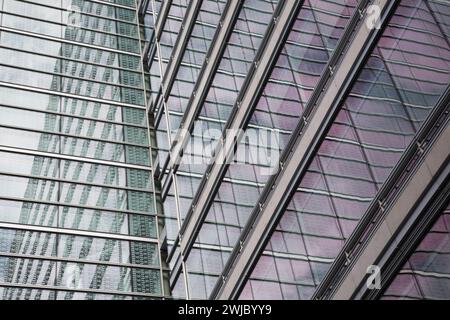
(239, 53)
(305, 54)
(399, 85)
(169, 34)
(426, 274)
(240, 50)
(192, 61)
(188, 72)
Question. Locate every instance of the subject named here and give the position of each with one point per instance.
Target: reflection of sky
(11, 97)
(6, 239)
(3, 262)
(9, 213)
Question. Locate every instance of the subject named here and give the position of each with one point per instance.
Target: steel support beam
(409, 238)
(162, 17)
(206, 76)
(402, 203)
(349, 56)
(72, 232)
(142, 7)
(178, 51)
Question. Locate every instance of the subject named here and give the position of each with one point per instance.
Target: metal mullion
(155, 208)
(410, 242)
(162, 18)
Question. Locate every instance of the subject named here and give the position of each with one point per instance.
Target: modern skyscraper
(240, 149)
(78, 203)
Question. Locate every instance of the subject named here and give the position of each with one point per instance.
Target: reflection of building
(78, 210)
(360, 115)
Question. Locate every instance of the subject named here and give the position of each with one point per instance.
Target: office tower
(78, 211)
(214, 149)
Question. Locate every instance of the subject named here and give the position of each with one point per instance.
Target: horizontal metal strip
(265, 252)
(74, 158)
(41, 36)
(60, 24)
(73, 60)
(75, 78)
(83, 233)
(426, 274)
(89, 291)
(78, 206)
(77, 182)
(75, 116)
(69, 95)
(67, 135)
(70, 260)
(88, 13)
(250, 125)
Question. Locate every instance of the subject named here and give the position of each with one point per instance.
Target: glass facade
(92, 208)
(295, 75)
(78, 215)
(426, 274)
(401, 82)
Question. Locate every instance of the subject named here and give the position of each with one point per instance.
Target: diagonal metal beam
(273, 41)
(351, 53)
(178, 51)
(258, 75)
(421, 174)
(162, 17)
(142, 7)
(426, 217)
(206, 76)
